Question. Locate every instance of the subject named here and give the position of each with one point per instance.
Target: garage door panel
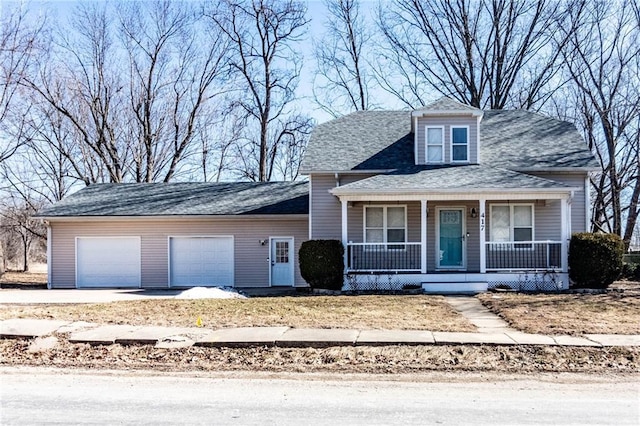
(107, 262)
(201, 261)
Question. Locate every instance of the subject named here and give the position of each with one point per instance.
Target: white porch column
(423, 236)
(483, 236)
(49, 255)
(564, 233)
(345, 227)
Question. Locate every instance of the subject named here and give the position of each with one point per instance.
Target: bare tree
(342, 72)
(173, 74)
(18, 232)
(79, 82)
(132, 82)
(18, 45)
(263, 60)
(486, 53)
(602, 60)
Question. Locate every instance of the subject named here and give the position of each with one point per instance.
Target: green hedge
(631, 266)
(595, 260)
(322, 263)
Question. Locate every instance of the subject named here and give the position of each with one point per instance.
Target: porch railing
(377, 257)
(500, 256)
(524, 255)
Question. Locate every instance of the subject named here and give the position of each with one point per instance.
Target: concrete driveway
(29, 297)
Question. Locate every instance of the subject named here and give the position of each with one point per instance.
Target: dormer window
(460, 144)
(435, 144)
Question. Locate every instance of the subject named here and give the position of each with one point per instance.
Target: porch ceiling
(466, 182)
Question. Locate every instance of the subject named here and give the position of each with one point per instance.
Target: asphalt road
(34, 396)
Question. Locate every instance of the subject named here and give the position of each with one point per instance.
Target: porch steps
(455, 287)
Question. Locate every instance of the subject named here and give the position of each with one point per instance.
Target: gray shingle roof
(451, 178)
(382, 140)
(526, 140)
(172, 199)
(447, 104)
(363, 140)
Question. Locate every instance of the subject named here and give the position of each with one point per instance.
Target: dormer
(446, 132)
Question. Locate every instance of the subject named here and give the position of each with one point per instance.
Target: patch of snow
(210, 293)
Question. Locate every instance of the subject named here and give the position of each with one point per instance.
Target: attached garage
(201, 261)
(178, 235)
(107, 262)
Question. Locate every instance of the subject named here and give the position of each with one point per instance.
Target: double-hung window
(510, 223)
(435, 144)
(385, 224)
(460, 144)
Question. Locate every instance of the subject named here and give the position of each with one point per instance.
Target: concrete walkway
(46, 332)
(478, 315)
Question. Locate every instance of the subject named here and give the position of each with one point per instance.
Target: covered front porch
(447, 244)
(456, 240)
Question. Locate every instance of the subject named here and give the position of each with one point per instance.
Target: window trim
(512, 226)
(385, 227)
(426, 144)
(451, 143)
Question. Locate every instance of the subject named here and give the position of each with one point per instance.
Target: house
(447, 197)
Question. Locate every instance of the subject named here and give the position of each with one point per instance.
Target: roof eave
(102, 218)
(441, 112)
(307, 172)
(558, 169)
(413, 191)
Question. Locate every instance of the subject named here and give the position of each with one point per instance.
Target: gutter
(102, 218)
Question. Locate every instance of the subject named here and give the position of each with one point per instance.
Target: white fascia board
(172, 217)
(457, 196)
(346, 172)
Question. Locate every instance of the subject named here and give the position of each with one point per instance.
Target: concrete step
(455, 287)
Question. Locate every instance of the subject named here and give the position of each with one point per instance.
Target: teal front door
(451, 242)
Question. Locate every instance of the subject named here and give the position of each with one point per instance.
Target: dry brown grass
(343, 360)
(366, 312)
(23, 278)
(610, 313)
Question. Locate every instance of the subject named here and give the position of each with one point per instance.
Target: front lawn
(366, 312)
(610, 313)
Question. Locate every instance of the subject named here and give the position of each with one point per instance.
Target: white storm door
(201, 261)
(282, 261)
(107, 262)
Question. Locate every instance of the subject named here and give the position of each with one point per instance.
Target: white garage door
(107, 262)
(201, 261)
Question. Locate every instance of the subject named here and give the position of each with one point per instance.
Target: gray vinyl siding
(326, 214)
(472, 226)
(250, 257)
(578, 211)
(447, 122)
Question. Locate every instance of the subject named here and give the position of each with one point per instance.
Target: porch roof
(463, 179)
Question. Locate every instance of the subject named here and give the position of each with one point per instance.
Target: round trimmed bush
(595, 260)
(322, 263)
